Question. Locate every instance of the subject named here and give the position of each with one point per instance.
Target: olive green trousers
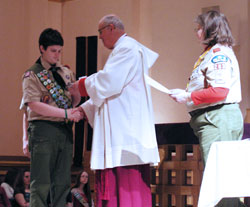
(51, 146)
(224, 123)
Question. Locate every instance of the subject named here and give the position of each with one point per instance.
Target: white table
(227, 172)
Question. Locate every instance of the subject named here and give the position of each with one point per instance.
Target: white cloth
(8, 190)
(120, 108)
(219, 68)
(227, 172)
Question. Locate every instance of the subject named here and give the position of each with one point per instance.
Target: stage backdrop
(86, 64)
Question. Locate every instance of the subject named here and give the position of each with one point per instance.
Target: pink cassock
(127, 186)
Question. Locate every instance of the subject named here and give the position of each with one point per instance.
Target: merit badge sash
(80, 198)
(55, 90)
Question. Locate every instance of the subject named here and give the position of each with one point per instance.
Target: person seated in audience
(22, 190)
(4, 201)
(9, 183)
(81, 194)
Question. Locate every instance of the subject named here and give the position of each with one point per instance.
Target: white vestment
(120, 108)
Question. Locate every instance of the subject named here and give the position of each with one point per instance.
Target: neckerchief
(200, 59)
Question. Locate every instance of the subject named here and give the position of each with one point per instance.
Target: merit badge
(48, 87)
(45, 99)
(27, 74)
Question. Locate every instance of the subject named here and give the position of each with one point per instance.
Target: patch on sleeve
(216, 50)
(27, 74)
(219, 58)
(45, 99)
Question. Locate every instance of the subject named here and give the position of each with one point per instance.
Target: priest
(121, 114)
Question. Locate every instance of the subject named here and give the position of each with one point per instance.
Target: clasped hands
(76, 114)
(180, 95)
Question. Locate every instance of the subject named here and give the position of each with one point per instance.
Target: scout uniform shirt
(36, 91)
(219, 68)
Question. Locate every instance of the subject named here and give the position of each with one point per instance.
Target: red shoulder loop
(216, 50)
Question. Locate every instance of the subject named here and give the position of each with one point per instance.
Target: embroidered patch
(67, 77)
(45, 99)
(54, 89)
(27, 74)
(216, 50)
(219, 66)
(219, 58)
(67, 66)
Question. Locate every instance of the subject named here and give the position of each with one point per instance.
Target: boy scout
(48, 104)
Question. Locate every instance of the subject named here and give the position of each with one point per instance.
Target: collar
(120, 39)
(47, 65)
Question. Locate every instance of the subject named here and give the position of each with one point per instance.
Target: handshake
(76, 114)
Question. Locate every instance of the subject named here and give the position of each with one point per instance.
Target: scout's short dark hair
(216, 28)
(50, 37)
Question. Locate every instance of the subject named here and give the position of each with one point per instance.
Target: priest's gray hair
(113, 19)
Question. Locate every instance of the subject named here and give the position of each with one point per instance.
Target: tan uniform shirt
(35, 91)
(218, 69)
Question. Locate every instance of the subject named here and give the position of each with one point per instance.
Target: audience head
(26, 178)
(11, 177)
(23, 179)
(83, 180)
(215, 28)
(110, 29)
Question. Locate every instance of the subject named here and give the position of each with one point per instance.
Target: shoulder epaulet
(217, 49)
(36, 68)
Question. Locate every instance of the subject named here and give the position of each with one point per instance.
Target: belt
(55, 123)
(198, 112)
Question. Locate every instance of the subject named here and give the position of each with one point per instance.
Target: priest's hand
(180, 95)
